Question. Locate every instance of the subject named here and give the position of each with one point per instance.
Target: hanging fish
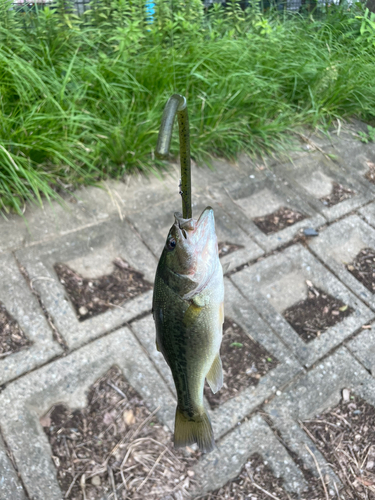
(188, 309)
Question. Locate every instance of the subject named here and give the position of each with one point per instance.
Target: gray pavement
(267, 274)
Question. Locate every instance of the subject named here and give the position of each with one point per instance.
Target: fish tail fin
(196, 429)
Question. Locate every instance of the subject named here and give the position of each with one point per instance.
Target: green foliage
(369, 136)
(81, 97)
(367, 29)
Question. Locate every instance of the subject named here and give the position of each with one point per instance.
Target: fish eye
(171, 243)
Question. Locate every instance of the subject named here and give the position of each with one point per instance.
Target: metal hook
(177, 105)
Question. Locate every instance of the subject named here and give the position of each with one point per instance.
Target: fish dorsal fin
(215, 375)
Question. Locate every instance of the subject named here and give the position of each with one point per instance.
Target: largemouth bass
(188, 309)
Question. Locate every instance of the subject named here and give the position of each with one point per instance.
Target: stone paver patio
(267, 274)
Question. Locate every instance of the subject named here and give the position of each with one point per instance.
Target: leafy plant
(367, 28)
(369, 136)
(81, 96)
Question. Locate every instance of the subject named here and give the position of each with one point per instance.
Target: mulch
(314, 315)
(338, 194)
(255, 482)
(244, 361)
(226, 248)
(363, 268)
(115, 447)
(345, 435)
(91, 297)
(12, 338)
(278, 220)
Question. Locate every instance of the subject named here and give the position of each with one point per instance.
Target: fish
(188, 310)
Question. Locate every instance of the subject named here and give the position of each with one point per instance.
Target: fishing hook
(177, 105)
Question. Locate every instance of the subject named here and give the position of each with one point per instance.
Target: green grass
(81, 98)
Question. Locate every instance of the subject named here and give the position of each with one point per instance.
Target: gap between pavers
(368, 212)
(10, 486)
(260, 194)
(226, 462)
(278, 282)
(91, 252)
(67, 381)
(228, 414)
(339, 244)
(20, 303)
(318, 390)
(312, 178)
(153, 226)
(363, 347)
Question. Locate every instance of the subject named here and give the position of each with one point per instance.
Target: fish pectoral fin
(157, 346)
(215, 375)
(226, 267)
(192, 312)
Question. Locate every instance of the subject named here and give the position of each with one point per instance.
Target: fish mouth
(193, 231)
(196, 249)
(205, 221)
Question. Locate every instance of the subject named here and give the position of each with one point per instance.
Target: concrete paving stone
(312, 178)
(338, 135)
(232, 411)
(222, 171)
(89, 252)
(278, 282)
(68, 380)
(153, 226)
(368, 213)
(233, 451)
(356, 155)
(144, 330)
(18, 300)
(10, 487)
(339, 244)
(262, 193)
(309, 141)
(85, 207)
(315, 392)
(363, 347)
(55, 218)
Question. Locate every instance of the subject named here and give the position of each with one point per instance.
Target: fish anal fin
(195, 429)
(215, 375)
(221, 313)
